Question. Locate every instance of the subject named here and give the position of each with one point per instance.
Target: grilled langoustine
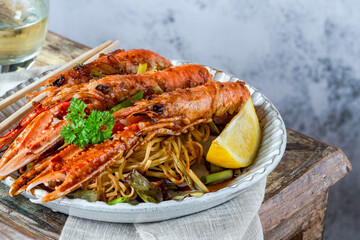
(117, 62)
(171, 113)
(102, 94)
(105, 93)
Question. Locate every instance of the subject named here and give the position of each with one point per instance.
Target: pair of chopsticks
(85, 58)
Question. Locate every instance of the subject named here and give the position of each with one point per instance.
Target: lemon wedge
(239, 142)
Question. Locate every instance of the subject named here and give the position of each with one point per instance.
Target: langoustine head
(116, 62)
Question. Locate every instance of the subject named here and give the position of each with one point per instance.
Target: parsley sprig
(84, 129)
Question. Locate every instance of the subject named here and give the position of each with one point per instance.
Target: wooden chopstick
(16, 116)
(37, 84)
(20, 113)
(105, 51)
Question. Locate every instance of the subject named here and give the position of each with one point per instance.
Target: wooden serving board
(296, 194)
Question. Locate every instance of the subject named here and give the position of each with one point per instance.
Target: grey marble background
(304, 55)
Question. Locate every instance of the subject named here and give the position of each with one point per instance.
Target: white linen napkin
(10, 80)
(235, 219)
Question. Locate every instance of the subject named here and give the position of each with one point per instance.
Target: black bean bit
(105, 89)
(59, 82)
(158, 107)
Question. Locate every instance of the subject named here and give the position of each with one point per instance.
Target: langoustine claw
(43, 167)
(40, 135)
(87, 165)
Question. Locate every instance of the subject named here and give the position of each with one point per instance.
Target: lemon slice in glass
(239, 142)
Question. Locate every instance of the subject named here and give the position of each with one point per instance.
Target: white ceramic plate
(271, 150)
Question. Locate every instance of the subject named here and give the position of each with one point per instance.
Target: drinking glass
(23, 27)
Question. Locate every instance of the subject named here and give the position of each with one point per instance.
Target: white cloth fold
(12, 79)
(235, 219)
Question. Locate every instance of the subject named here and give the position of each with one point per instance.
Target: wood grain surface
(58, 50)
(296, 193)
(307, 170)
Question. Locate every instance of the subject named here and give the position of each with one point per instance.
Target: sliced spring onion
(124, 104)
(158, 90)
(127, 103)
(138, 96)
(120, 200)
(214, 168)
(97, 74)
(189, 194)
(217, 177)
(214, 128)
(142, 68)
(89, 195)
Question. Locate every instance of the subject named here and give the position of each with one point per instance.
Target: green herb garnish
(76, 110)
(84, 129)
(100, 125)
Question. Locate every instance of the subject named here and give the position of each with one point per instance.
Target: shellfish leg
(45, 166)
(87, 165)
(34, 150)
(32, 131)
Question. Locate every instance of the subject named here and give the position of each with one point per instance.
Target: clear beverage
(23, 27)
